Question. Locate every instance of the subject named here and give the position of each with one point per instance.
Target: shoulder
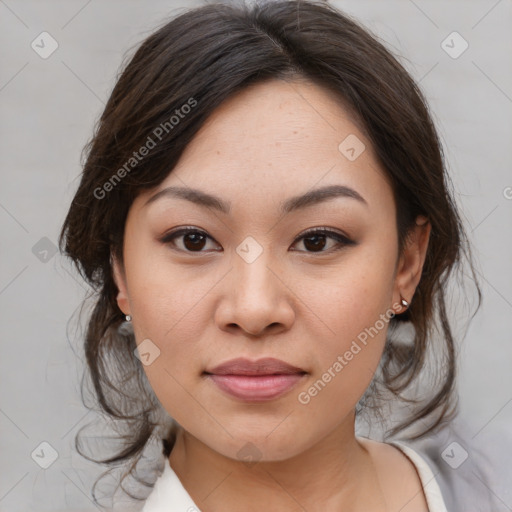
(398, 476)
(471, 464)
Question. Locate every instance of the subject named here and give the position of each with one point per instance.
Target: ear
(120, 279)
(410, 264)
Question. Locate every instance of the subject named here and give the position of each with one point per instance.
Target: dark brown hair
(201, 58)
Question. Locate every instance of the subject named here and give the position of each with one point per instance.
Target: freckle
(218, 152)
(295, 131)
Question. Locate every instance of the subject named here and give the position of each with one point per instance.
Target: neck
(336, 473)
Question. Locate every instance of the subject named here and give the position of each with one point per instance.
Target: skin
(303, 305)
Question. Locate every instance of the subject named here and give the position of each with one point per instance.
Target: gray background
(48, 110)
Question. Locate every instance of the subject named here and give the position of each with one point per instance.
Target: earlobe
(120, 280)
(412, 260)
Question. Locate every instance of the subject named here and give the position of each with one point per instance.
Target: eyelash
(341, 239)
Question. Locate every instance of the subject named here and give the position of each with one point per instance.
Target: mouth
(255, 381)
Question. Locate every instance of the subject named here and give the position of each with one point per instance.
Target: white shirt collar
(169, 494)
(430, 486)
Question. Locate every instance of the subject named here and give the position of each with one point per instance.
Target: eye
(315, 240)
(193, 239)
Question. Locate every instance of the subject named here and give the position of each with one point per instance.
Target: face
(254, 280)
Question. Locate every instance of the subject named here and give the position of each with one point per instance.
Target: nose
(255, 299)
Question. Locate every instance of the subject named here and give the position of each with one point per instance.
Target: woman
(266, 217)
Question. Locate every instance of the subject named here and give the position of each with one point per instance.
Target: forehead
(278, 139)
(276, 120)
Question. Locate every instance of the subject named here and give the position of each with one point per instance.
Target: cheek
(354, 295)
(163, 294)
(165, 304)
(354, 310)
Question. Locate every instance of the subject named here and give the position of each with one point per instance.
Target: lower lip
(256, 388)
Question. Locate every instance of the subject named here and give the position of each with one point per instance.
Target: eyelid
(342, 239)
(325, 230)
(184, 230)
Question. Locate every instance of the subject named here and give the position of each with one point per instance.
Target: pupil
(196, 241)
(315, 245)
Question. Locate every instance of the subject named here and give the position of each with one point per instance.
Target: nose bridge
(255, 295)
(253, 278)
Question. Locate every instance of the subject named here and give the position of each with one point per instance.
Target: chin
(260, 447)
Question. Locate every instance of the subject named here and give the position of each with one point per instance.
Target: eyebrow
(212, 202)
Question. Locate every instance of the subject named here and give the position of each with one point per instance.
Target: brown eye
(191, 239)
(194, 240)
(316, 240)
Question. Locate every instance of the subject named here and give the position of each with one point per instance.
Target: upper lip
(264, 366)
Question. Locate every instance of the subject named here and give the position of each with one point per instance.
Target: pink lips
(261, 380)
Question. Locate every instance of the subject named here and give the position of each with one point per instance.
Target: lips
(265, 366)
(255, 381)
